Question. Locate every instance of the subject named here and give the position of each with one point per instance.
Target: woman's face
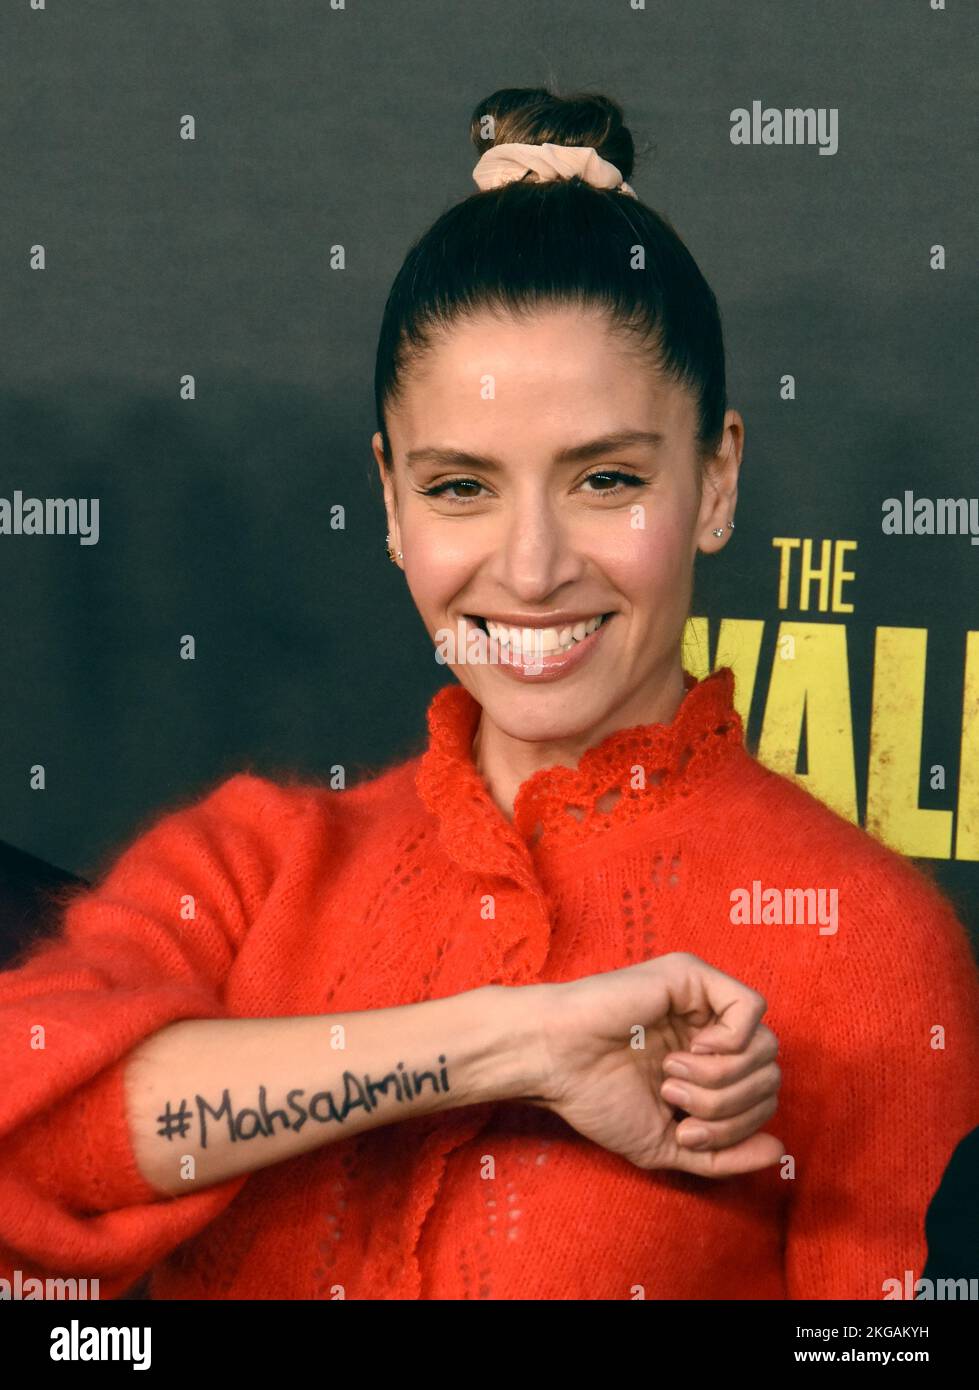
(512, 512)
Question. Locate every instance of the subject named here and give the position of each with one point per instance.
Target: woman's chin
(544, 714)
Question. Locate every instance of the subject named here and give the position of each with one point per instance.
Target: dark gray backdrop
(210, 257)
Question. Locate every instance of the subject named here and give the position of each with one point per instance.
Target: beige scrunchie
(504, 163)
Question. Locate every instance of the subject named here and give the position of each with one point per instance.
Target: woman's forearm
(209, 1100)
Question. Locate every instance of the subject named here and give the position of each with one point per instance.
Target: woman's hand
(609, 1039)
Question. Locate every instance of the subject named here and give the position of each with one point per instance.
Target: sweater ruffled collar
(647, 766)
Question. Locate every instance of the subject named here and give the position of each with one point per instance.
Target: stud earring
(719, 531)
(387, 541)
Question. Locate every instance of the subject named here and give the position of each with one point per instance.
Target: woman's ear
(377, 447)
(719, 489)
(390, 497)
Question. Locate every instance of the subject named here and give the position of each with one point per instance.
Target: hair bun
(535, 116)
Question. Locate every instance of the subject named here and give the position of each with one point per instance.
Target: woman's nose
(536, 555)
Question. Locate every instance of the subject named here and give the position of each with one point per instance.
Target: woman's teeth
(542, 639)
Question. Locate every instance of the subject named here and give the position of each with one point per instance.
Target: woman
(488, 1025)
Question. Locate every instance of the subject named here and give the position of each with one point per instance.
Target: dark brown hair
(526, 244)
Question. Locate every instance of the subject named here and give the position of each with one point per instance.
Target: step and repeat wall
(188, 368)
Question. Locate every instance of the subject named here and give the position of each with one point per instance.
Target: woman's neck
(505, 763)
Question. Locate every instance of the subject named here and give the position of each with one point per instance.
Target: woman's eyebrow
(575, 453)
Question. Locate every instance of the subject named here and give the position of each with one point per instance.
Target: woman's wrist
(505, 1053)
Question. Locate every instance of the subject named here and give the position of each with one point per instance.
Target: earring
(718, 531)
(387, 541)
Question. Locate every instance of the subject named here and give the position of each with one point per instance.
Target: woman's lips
(539, 666)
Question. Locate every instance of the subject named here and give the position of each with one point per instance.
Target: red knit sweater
(312, 901)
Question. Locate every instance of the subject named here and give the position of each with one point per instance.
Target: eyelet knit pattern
(642, 768)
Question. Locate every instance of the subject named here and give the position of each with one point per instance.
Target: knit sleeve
(149, 945)
(890, 1089)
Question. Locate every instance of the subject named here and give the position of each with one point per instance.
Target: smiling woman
(584, 494)
(503, 980)
(553, 442)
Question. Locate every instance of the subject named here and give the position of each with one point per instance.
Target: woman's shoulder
(245, 798)
(250, 793)
(248, 829)
(820, 845)
(278, 802)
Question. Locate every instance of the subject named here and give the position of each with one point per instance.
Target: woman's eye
(441, 489)
(620, 480)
